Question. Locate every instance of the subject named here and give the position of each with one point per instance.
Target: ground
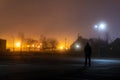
(58, 68)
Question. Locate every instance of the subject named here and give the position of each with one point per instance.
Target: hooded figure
(88, 52)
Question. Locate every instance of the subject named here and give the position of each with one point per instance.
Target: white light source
(100, 27)
(77, 46)
(95, 26)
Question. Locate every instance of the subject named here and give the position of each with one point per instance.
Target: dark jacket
(87, 49)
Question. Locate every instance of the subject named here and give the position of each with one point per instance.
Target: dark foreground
(58, 68)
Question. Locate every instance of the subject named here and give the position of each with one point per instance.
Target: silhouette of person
(88, 51)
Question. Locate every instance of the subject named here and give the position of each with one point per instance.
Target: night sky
(59, 19)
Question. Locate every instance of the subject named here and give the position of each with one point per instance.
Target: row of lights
(18, 45)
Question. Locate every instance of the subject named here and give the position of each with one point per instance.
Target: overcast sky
(58, 18)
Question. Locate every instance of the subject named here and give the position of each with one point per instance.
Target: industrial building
(2, 45)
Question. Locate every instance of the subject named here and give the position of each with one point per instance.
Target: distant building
(2, 45)
(78, 44)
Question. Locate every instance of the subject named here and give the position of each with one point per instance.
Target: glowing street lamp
(100, 27)
(33, 45)
(77, 46)
(38, 46)
(28, 46)
(18, 44)
(61, 47)
(96, 26)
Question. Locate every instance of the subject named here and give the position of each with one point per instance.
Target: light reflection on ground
(59, 66)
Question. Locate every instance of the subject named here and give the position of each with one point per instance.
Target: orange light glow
(38, 46)
(61, 47)
(28, 46)
(33, 45)
(18, 44)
